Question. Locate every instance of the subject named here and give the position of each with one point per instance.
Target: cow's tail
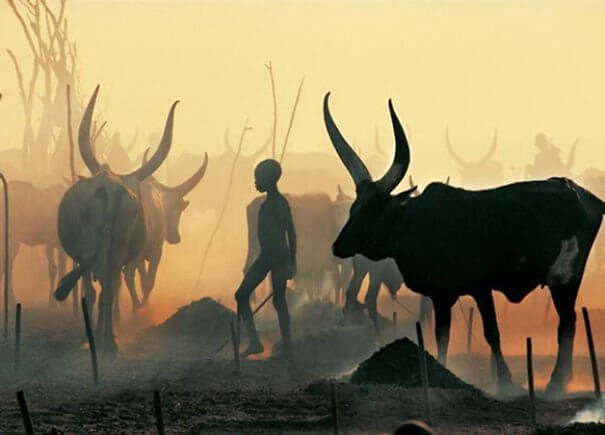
(68, 282)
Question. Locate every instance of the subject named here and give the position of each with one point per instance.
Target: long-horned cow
(449, 242)
(479, 173)
(102, 223)
(164, 206)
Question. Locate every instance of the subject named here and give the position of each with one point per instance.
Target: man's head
(266, 174)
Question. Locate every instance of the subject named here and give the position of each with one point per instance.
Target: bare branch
(269, 66)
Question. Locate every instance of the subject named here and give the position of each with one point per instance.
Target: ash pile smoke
(592, 413)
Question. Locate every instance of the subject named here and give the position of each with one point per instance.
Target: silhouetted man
(277, 241)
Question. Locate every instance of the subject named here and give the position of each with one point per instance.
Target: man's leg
(279, 280)
(254, 276)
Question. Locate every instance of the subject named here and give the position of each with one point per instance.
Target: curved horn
(358, 170)
(492, 149)
(450, 149)
(401, 160)
(86, 151)
(159, 156)
(187, 186)
(262, 149)
(572, 155)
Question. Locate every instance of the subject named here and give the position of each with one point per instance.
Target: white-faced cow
(102, 224)
(164, 206)
(449, 242)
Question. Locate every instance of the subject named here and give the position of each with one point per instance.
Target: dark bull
(450, 242)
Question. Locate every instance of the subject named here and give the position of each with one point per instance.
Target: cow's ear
(404, 196)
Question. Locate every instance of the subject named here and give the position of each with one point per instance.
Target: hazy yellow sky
(523, 66)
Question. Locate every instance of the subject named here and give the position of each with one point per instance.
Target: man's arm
(253, 244)
(291, 239)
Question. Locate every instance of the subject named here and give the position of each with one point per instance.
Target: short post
(395, 323)
(17, 335)
(593, 354)
(91, 342)
(530, 384)
(235, 345)
(469, 335)
(424, 374)
(159, 419)
(27, 421)
(334, 399)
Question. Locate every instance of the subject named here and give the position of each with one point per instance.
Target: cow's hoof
(555, 389)
(353, 314)
(508, 389)
(110, 350)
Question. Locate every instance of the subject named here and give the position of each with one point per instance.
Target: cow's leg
(110, 290)
(424, 310)
(371, 300)
(52, 273)
(129, 279)
(353, 310)
(152, 271)
(564, 299)
(485, 303)
(443, 320)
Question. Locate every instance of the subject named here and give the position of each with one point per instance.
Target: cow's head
(174, 202)
(369, 211)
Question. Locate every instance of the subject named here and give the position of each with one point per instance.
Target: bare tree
(54, 66)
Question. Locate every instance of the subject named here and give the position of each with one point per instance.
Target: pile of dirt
(204, 321)
(398, 363)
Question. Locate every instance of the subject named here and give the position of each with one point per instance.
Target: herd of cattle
(114, 224)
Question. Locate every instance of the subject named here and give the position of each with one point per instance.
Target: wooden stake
(17, 335)
(530, 384)
(27, 421)
(395, 323)
(424, 374)
(91, 343)
(593, 354)
(469, 335)
(235, 345)
(6, 255)
(334, 399)
(159, 419)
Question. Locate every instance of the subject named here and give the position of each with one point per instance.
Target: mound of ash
(205, 321)
(398, 363)
(572, 429)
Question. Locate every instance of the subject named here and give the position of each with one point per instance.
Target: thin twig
(283, 150)
(270, 68)
(225, 203)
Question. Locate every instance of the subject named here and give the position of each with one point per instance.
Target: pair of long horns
(186, 186)
(358, 170)
(146, 169)
(479, 162)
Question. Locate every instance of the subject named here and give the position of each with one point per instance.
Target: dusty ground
(201, 393)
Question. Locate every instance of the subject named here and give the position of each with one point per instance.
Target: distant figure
(414, 427)
(277, 255)
(548, 162)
